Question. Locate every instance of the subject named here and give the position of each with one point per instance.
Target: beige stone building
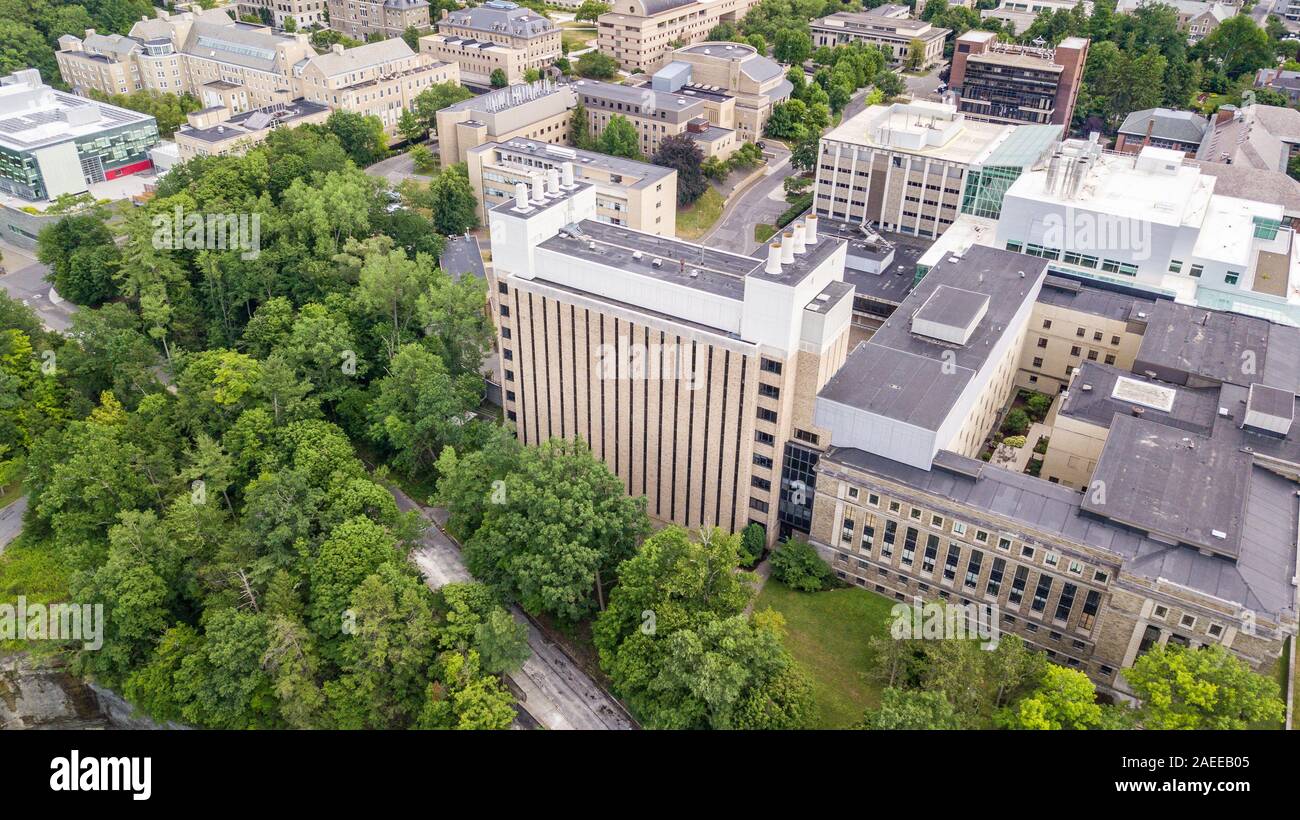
(755, 82)
(891, 34)
(216, 132)
(303, 13)
(380, 79)
(537, 111)
(1185, 531)
(630, 194)
(704, 115)
(914, 167)
(641, 34)
(361, 18)
(495, 35)
(108, 63)
(683, 367)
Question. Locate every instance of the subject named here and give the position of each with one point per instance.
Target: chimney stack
(553, 181)
(798, 238)
(810, 230)
(787, 247)
(521, 197)
(773, 258)
(539, 190)
(566, 171)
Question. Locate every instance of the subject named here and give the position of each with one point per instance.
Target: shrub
(752, 541)
(1037, 406)
(1016, 423)
(797, 565)
(1041, 446)
(1014, 442)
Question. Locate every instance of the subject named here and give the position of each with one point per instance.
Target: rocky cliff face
(41, 694)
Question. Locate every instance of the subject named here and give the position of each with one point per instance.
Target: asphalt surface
(551, 689)
(11, 521)
(400, 167)
(762, 202)
(462, 255)
(25, 281)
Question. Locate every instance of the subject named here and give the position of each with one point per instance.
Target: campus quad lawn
(696, 218)
(828, 634)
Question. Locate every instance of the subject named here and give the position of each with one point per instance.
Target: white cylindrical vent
(787, 247)
(566, 171)
(773, 258)
(798, 237)
(521, 196)
(810, 230)
(539, 189)
(553, 181)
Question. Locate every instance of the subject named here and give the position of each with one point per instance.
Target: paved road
(551, 687)
(400, 167)
(25, 282)
(924, 87)
(762, 202)
(11, 521)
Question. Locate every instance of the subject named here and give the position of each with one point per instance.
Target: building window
(762, 484)
(768, 390)
(1047, 324)
(1041, 592)
(1017, 593)
(1065, 603)
(950, 563)
(1196, 271)
(769, 366)
(909, 547)
(763, 461)
(995, 577)
(805, 436)
(1175, 266)
(931, 553)
(973, 569)
(1231, 278)
(764, 438)
(766, 415)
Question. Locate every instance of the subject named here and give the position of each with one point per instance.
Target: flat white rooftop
(923, 128)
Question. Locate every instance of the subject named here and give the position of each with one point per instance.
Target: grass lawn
(828, 634)
(10, 493)
(763, 232)
(699, 216)
(577, 35)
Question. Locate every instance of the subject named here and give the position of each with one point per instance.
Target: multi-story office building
(538, 111)
(1004, 82)
(380, 79)
(704, 115)
(881, 27)
(1155, 223)
(689, 371)
(754, 81)
(53, 143)
(630, 194)
(641, 34)
(303, 13)
(108, 63)
(390, 18)
(914, 167)
(496, 35)
(1186, 529)
(216, 132)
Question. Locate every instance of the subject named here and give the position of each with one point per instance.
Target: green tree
(455, 210)
(420, 407)
(362, 136)
(1238, 46)
(591, 9)
(468, 482)
(915, 55)
(563, 525)
(580, 128)
(911, 709)
(619, 138)
(1065, 699)
(82, 257)
(796, 564)
(683, 154)
(435, 98)
(596, 65)
(498, 78)
(502, 643)
(1205, 688)
(792, 46)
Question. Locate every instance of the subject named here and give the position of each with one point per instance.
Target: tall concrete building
(1004, 82)
(390, 18)
(689, 371)
(641, 34)
(636, 195)
(756, 82)
(915, 167)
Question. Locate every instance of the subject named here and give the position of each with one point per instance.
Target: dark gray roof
(1091, 398)
(956, 307)
(1120, 305)
(903, 376)
(1271, 401)
(1259, 579)
(1171, 483)
(1178, 126)
(1184, 343)
(500, 16)
(462, 255)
